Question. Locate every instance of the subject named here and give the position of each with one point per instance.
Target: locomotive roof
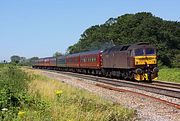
(117, 48)
(128, 47)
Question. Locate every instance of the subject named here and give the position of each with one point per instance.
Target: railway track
(166, 84)
(157, 87)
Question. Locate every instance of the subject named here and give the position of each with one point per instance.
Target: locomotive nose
(145, 60)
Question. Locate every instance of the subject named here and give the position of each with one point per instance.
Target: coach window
(95, 59)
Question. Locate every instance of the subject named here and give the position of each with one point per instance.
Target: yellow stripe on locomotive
(143, 60)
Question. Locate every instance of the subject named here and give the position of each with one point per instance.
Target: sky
(39, 28)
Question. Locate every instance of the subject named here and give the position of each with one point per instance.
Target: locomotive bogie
(145, 77)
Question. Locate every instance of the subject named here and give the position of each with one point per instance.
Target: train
(131, 62)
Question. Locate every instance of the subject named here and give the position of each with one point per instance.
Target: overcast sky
(41, 27)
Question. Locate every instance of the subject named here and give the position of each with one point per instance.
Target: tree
(30, 60)
(176, 61)
(4, 61)
(56, 54)
(33, 58)
(22, 59)
(133, 28)
(15, 59)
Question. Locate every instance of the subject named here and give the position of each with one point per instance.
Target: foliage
(13, 83)
(168, 74)
(176, 61)
(13, 92)
(69, 103)
(132, 28)
(29, 61)
(15, 59)
(56, 54)
(24, 61)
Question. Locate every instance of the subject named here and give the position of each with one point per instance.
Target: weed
(67, 102)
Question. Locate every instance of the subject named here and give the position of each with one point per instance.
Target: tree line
(16, 59)
(132, 28)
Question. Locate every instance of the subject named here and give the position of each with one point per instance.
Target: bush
(14, 95)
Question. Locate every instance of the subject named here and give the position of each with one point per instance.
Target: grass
(67, 103)
(169, 74)
(13, 91)
(26, 95)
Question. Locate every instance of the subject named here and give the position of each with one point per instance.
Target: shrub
(14, 95)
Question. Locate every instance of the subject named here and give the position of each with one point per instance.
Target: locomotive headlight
(155, 70)
(139, 71)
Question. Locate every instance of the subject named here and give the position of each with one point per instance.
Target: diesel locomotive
(132, 61)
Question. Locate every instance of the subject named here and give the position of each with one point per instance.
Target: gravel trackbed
(147, 109)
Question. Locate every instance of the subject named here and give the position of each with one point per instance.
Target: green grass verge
(168, 74)
(67, 103)
(13, 91)
(30, 96)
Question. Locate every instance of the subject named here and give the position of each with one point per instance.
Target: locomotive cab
(145, 62)
(145, 56)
